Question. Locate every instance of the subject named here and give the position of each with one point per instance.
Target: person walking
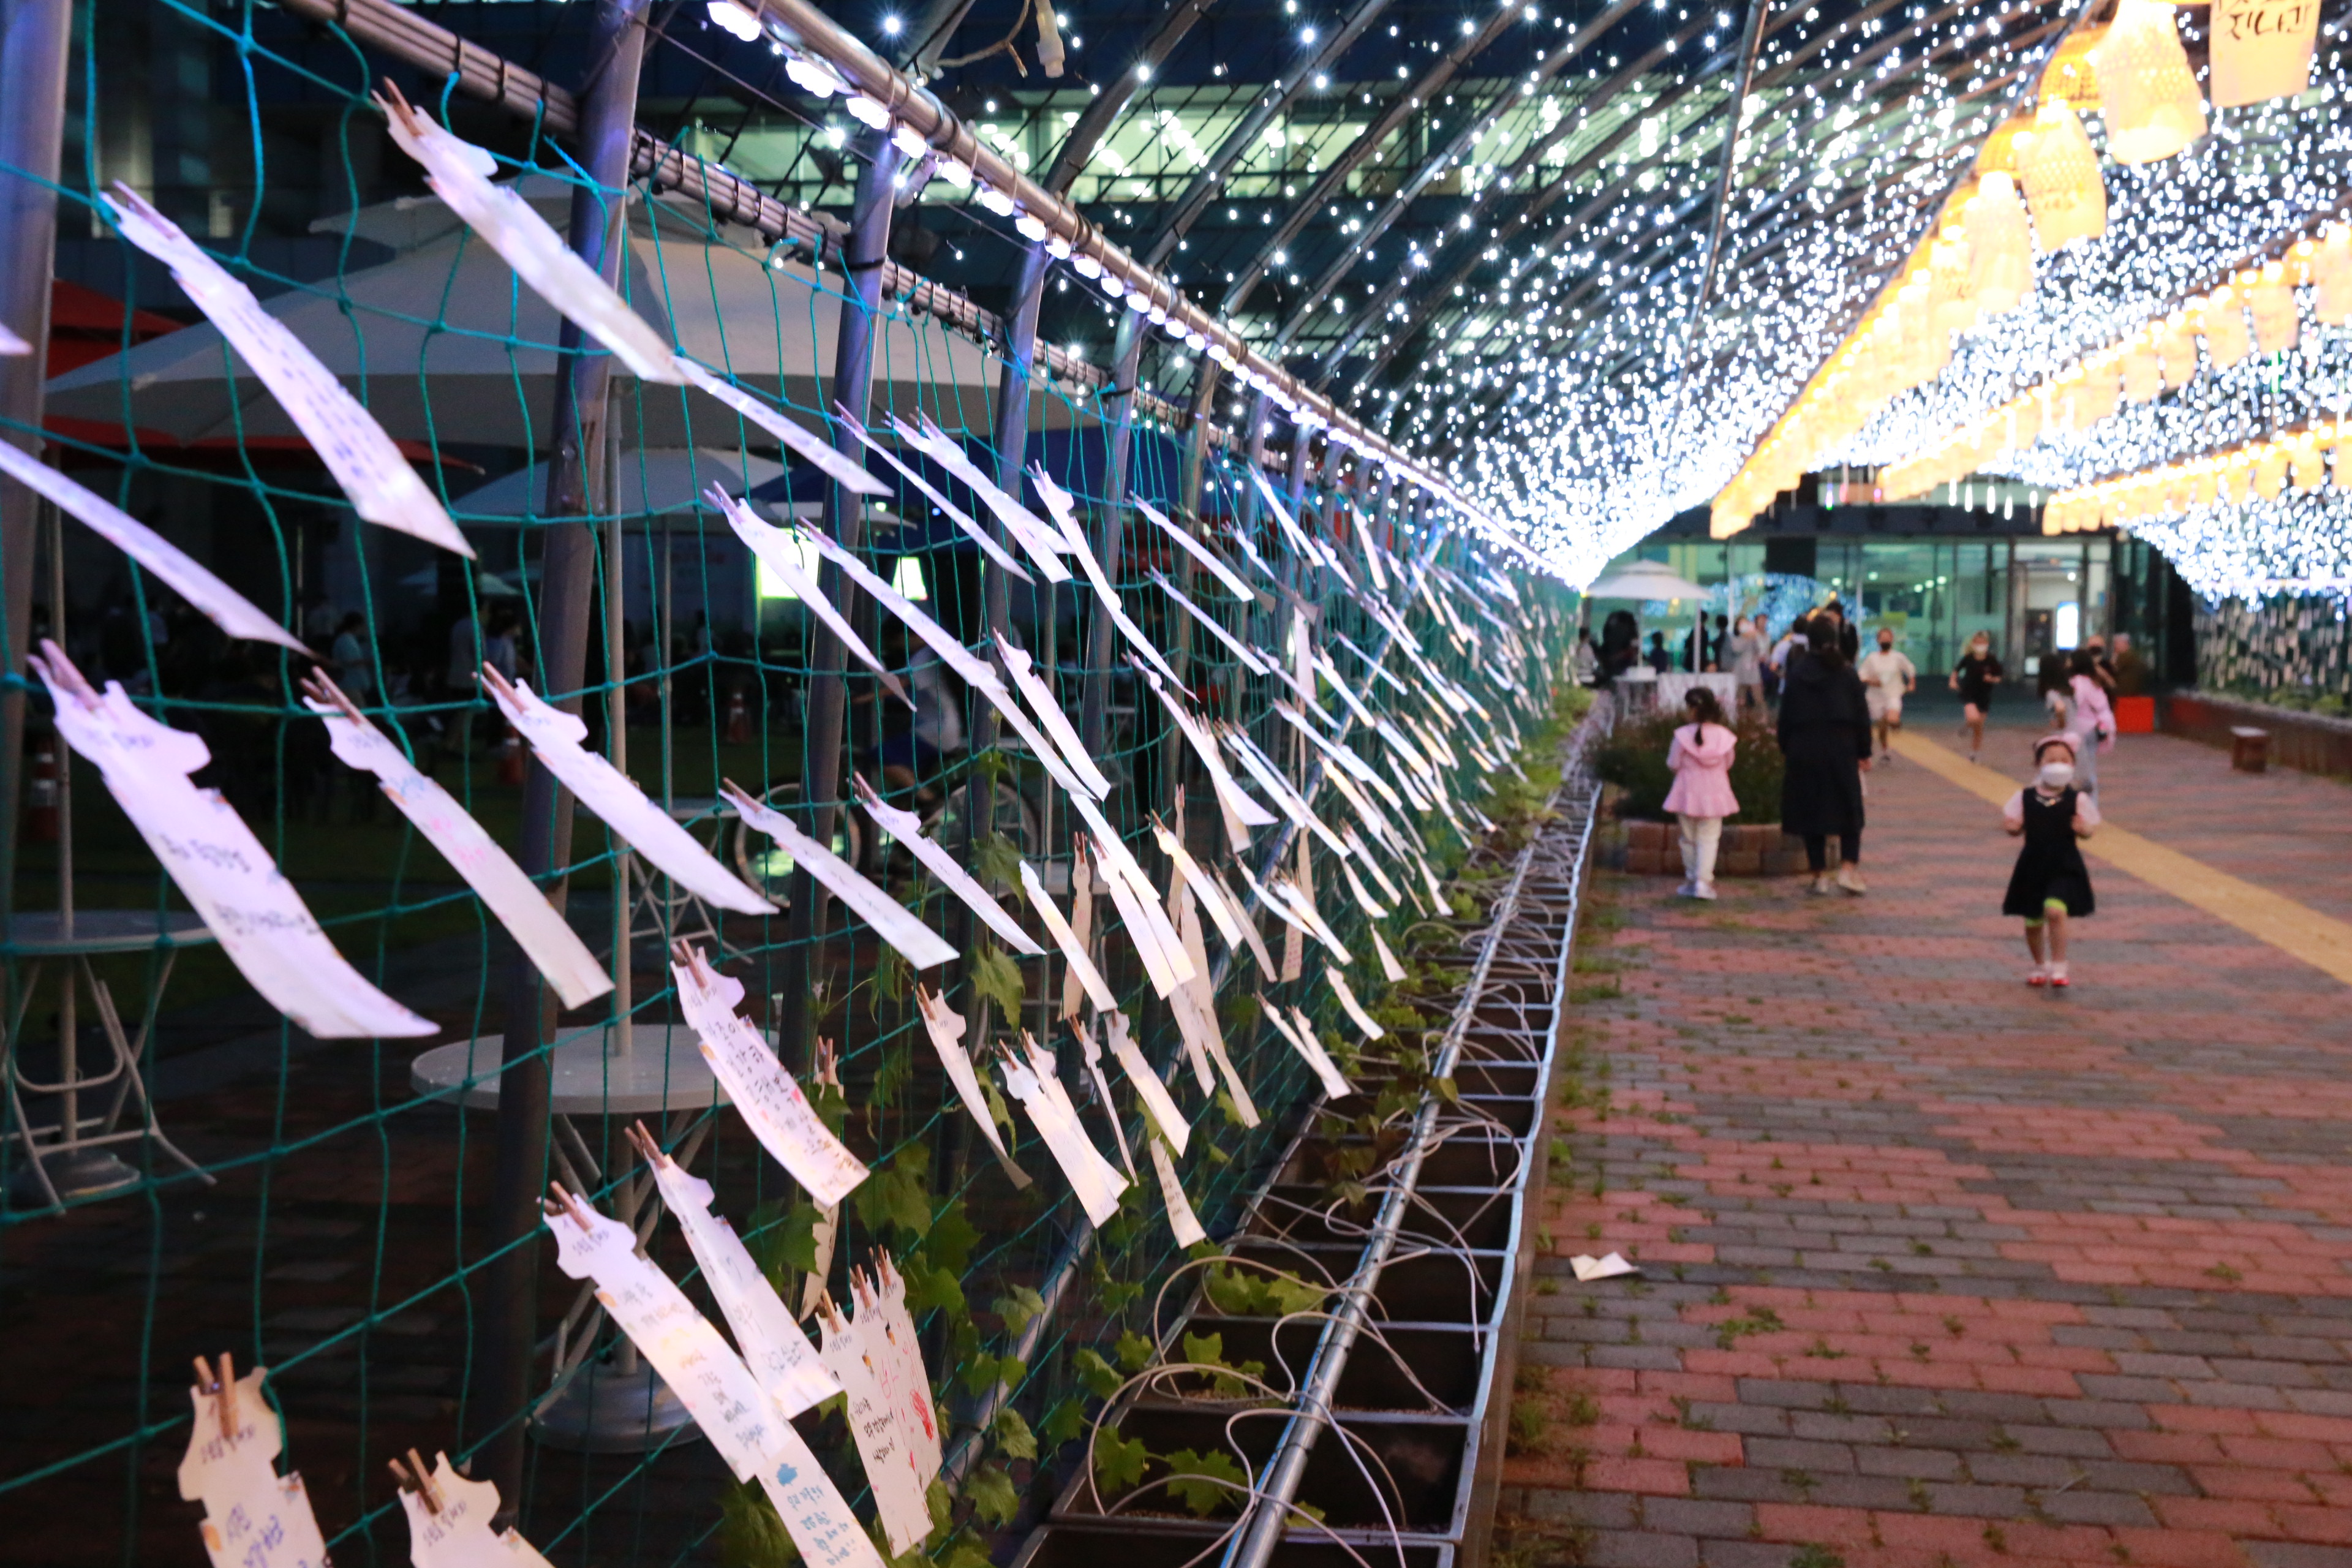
(1825, 740)
(2090, 716)
(1744, 648)
(2051, 886)
(1974, 677)
(1700, 759)
(1887, 678)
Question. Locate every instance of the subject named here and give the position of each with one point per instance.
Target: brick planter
(1749, 849)
(2310, 742)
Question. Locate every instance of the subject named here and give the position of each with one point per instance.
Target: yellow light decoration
(2148, 94)
(1952, 309)
(2000, 245)
(2061, 176)
(2331, 276)
(2225, 328)
(2143, 377)
(1998, 153)
(2071, 75)
(2176, 351)
(2262, 49)
(2270, 299)
(2310, 464)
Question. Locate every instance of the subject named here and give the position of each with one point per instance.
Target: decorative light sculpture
(2000, 245)
(2270, 299)
(2225, 328)
(2061, 176)
(2148, 93)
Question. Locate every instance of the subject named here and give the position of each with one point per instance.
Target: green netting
(335, 1230)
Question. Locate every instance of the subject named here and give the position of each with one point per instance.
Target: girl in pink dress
(2090, 718)
(1700, 757)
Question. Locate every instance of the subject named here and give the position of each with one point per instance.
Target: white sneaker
(1704, 890)
(1687, 890)
(1850, 882)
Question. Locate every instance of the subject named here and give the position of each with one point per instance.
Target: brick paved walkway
(1941, 1270)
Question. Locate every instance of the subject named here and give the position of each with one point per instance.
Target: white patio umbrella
(1650, 581)
(653, 481)
(443, 343)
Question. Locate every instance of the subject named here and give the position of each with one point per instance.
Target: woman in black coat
(1825, 744)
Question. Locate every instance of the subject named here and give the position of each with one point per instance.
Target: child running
(1700, 758)
(2051, 885)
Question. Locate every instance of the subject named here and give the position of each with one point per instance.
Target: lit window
(908, 579)
(770, 586)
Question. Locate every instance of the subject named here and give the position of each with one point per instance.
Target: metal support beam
(509, 1324)
(35, 37)
(1111, 538)
(828, 691)
(804, 28)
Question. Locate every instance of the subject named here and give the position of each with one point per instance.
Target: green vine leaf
(1218, 1479)
(993, 1496)
(899, 1195)
(751, 1534)
(1209, 1350)
(931, 1287)
(952, 1240)
(1246, 1293)
(1134, 1352)
(995, 976)
(1019, 1310)
(1013, 1438)
(1101, 1378)
(1119, 1462)
(1063, 1422)
(997, 861)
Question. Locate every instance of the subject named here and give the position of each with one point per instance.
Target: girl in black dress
(2051, 885)
(1974, 677)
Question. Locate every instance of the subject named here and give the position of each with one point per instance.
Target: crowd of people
(1836, 714)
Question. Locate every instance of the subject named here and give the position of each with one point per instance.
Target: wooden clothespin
(415, 1477)
(563, 1202)
(642, 1142)
(222, 1387)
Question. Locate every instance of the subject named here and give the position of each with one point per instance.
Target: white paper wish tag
(1073, 949)
(381, 485)
(1148, 1087)
(1300, 1035)
(875, 1425)
(253, 1517)
(1092, 1051)
(460, 174)
(890, 1296)
(554, 737)
(773, 1347)
(229, 879)
(1605, 1268)
(1198, 552)
(544, 936)
(1364, 1022)
(946, 1028)
(892, 921)
(898, 1363)
(780, 555)
(906, 828)
(1181, 1217)
(159, 557)
(449, 1520)
(1038, 1088)
(815, 1513)
(709, 1379)
(770, 1102)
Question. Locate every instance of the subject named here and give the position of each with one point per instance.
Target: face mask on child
(2057, 775)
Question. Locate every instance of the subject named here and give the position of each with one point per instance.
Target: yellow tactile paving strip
(2320, 940)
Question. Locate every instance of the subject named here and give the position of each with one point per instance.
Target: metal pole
(35, 37)
(509, 1320)
(853, 382)
(1110, 535)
